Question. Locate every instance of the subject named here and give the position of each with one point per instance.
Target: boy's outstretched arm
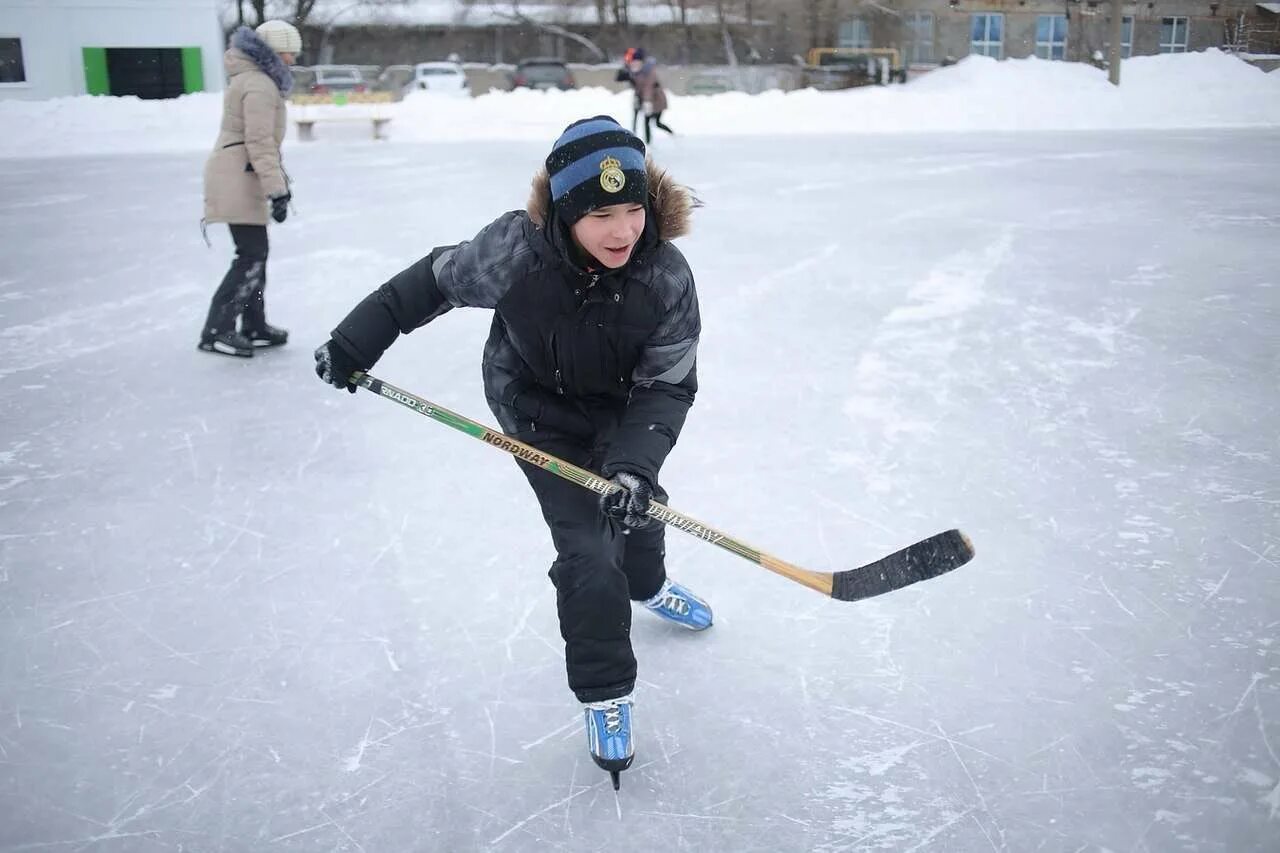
(475, 273)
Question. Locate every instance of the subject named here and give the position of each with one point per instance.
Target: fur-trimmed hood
(250, 46)
(670, 204)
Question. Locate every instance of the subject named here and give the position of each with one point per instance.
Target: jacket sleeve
(663, 386)
(475, 273)
(259, 107)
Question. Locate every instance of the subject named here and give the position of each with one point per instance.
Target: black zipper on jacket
(555, 365)
(555, 353)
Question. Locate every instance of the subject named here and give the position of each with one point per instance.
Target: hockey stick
(926, 559)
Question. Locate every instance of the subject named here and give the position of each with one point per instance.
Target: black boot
(227, 343)
(266, 336)
(239, 296)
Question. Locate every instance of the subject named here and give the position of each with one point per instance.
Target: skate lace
(612, 711)
(612, 720)
(669, 600)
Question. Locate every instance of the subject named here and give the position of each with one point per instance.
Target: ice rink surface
(240, 611)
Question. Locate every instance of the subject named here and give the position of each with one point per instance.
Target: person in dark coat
(649, 91)
(624, 76)
(592, 358)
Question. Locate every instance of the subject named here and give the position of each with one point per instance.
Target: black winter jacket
(592, 355)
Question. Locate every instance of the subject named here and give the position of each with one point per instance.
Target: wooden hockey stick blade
(926, 559)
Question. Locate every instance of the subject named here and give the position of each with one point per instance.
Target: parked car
(394, 79)
(337, 78)
(446, 78)
(303, 77)
(542, 73)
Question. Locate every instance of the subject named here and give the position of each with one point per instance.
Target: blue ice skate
(676, 604)
(609, 734)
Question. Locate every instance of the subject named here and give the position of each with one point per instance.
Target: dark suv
(542, 74)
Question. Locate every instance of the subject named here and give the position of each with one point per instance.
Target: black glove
(335, 366)
(629, 504)
(280, 206)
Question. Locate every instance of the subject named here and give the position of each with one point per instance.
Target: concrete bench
(306, 126)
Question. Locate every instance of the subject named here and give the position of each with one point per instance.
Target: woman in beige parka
(244, 182)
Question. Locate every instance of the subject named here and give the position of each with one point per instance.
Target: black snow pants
(598, 571)
(650, 121)
(240, 294)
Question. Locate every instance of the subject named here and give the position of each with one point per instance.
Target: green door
(192, 70)
(96, 81)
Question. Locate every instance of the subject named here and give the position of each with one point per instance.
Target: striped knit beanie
(596, 162)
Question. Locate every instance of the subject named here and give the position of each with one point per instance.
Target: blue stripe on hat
(588, 167)
(586, 129)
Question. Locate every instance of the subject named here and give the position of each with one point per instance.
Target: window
(854, 33)
(986, 35)
(1173, 35)
(918, 36)
(12, 69)
(1051, 36)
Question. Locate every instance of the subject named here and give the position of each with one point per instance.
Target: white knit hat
(280, 36)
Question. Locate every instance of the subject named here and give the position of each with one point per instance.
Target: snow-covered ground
(240, 611)
(1197, 90)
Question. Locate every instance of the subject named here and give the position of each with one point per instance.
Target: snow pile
(98, 125)
(1210, 89)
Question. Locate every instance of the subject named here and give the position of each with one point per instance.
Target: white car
(445, 78)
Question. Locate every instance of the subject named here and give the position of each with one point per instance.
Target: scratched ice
(243, 612)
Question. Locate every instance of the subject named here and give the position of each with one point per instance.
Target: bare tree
(299, 12)
(730, 54)
(557, 30)
(621, 12)
(681, 7)
(820, 14)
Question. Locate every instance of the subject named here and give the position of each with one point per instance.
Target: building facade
(147, 48)
(940, 31)
(504, 32)
(773, 32)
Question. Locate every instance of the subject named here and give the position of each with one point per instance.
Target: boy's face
(609, 234)
(635, 65)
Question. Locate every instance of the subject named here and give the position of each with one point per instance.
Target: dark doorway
(148, 72)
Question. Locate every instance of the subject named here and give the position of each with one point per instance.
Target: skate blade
(616, 776)
(223, 349)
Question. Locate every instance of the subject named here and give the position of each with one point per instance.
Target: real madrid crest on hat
(612, 178)
(596, 163)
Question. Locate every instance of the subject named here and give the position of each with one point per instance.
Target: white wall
(54, 31)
